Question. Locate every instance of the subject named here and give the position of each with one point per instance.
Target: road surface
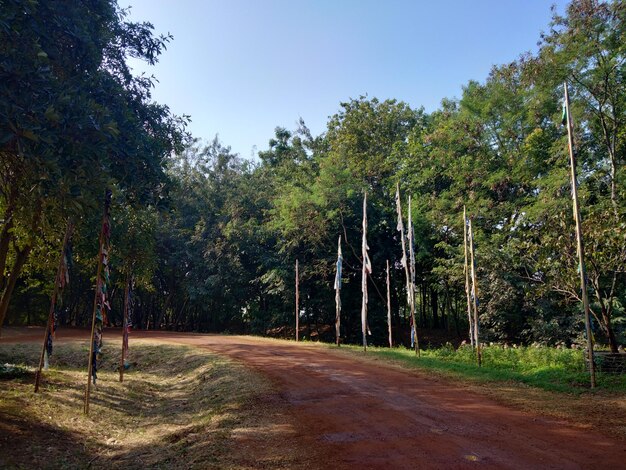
(357, 414)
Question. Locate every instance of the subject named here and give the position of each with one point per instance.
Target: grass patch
(178, 407)
(560, 370)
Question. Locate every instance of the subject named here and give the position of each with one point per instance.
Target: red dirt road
(357, 414)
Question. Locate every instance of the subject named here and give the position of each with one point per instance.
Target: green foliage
(213, 238)
(546, 368)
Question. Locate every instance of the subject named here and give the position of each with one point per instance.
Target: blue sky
(242, 67)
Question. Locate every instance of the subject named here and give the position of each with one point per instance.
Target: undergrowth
(561, 370)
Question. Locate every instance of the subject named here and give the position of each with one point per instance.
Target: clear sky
(242, 67)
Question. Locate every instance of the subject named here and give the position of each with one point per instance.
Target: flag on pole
(411, 237)
(367, 269)
(400, 225)
(61, 279)
(466, 271)
(400, 228)
(338, 292)
(339, 263)
(102, 300)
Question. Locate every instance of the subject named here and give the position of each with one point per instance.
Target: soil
(348, 413)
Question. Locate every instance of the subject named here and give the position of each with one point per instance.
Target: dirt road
(357, 414)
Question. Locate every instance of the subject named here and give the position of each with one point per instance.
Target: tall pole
(367, 269)
(297, 303)
(389, 307)
(579, 240)
(411, 237)
(474, 295)
(338, 292)
(125, 326)
(405, 264)
(95, 300)
(467, 281)
(53, 302)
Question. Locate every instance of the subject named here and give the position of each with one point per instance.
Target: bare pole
(389, 307)
(53, 302)
(95, 303)
(475, 295)
(297, 303)
(467, 281)
(125, 326)
(579, 241)
(411, 238)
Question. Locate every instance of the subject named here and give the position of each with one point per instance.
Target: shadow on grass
(177, 407)
(25, 440)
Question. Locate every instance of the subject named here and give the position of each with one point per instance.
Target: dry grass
(179, 407)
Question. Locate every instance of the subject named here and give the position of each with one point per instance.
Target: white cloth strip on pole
(338, 292)
(367, 269)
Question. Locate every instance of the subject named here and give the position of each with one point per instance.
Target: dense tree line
(212, 238)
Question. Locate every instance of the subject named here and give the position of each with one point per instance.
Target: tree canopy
(213, 238)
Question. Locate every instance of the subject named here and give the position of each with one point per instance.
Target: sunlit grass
(177, 408)
(546, 368)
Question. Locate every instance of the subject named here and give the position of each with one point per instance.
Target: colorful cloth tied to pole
(102, 301)
(63, 279)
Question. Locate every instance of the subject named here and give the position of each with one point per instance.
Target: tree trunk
(20, 260)
(605, 322)
(434, 303)
(5, 239)
(6, 235)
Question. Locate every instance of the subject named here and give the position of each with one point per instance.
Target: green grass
(560, 370)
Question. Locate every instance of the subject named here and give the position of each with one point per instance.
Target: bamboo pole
(579, 241)
(125, 326)
(475, 296)
(297, 303)
(53, 301)
(467, 281)
(389, 307)
(95, 303)
(412, 290)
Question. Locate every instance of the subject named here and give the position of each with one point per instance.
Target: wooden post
(125, 326)
(467, 281)
(389, 307)
(475, 295)
(53, 302)
(579, 240)
(412, 290)
(297, 303)
(95, 303)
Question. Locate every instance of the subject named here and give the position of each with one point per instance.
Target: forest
(211, 238)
